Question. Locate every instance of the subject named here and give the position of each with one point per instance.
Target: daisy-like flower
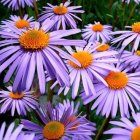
(35, 50)
(97, 32)
(62, 107)
(128, 1)
(122, 93)
(128, 37)
(66, 127)
(14, 4)
(63, 15)
(14, 134)
(131, 60)
(93, 65)
(17, 102)
(126, 129)
(25, 22)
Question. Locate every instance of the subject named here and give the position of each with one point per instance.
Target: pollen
(136, 27)
(135, 135)
(137, 52)
(34, 39)
(97, 27)
(20, 24)
(103, 48)
(60, 10)
(116, 80)
(53, 130)
(16, 95)
(85, 59)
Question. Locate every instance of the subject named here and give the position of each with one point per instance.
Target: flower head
(128, 37)
(131, 60)
(122, 93)
(128, 1)
(125, 129)
(93, 66)
(35, 50)
(14, 134)
(97, 32)
(14, 4)
(21, 23)
(68, 126)
(63, 15)
(17, 102)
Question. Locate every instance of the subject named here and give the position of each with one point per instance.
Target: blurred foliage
(112, 12)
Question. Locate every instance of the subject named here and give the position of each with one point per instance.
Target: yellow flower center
(136, 27)
(85, 59)
(34, 39)
(116, 80)
(16, 95)
(135, 135)
(22, 24)
(97, 27)
(103, 48)
(137, 52)
(60, 10)
(53, 130)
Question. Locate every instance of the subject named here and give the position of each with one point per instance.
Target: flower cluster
(43, 57)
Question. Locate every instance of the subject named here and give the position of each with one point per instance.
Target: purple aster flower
(63, 15)
(131, 60)
(125, 129)
(14, 4)
(35, 50)
(93, 66)
(17, 102)
(62, 107)
(97, 32)
(14, 134)
(25, 22)
(128, 1)
(128, 37)
(66, 127)
(121, 94)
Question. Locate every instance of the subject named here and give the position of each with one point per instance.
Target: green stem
(101, 130)
(131, 13)
(50, 92)
(20, 10)
(36, 9)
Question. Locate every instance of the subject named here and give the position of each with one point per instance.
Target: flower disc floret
(85, 59)
(97, 27)
(116, 80)
(20, 24)
(60, 10)
(136, 27)
(34, 39)
(53, 130)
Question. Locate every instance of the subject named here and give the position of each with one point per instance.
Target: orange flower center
(16, 95)
(137, 52)
(116, 80)
(85, 59)
(53, 130)
(135, 135)
(22, 24)
(60, 10)
(136, 27)
(34, 39)
(97, 27)
(103, 48)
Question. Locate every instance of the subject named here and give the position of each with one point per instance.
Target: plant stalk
(36, 9)
(103, 126)
(20, 10)
(50, 92)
